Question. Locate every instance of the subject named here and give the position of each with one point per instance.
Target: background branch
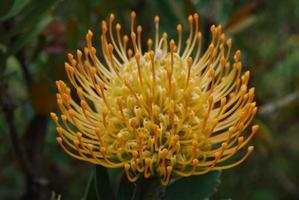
(278, 104)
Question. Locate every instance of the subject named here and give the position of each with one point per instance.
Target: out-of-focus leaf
(55, 196)
(284, 72)
(126, 189)
(43, 96)
(264, 132)
(90, 190)
(164, 6)
(294, 40)
(3, 49)
(244, 23)
(103, 187)
(17, 7)
(263, 140)
(178, 11)
(171, 13)
(27, 22)
(262, 194)
(241, 19)
(27, 37)
(13, 182)
(194, 187)
(115, 176)
(72, 33)
(189, 6)
(5, 7)
(13, 74)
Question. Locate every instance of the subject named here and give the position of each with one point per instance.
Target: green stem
(148, 189)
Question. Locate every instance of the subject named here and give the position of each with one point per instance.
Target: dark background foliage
(36, 35)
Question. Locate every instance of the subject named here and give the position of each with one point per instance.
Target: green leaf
(90, 190)
(261, 194)
(171, 11)
(194, 187)
(115, 177)
(30, 35)
(5, 7)
(126, 189)
(16, 8)
(33, 16)
(104, 190)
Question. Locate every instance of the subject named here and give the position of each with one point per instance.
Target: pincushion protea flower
(168, 110)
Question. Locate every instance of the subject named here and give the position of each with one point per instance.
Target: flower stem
(148, 189)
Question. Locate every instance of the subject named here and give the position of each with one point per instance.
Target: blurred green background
(35, 36)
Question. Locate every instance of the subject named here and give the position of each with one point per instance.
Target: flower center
(160, 101)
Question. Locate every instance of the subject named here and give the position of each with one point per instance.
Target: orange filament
(171, 110)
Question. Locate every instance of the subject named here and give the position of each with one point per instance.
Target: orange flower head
(173, 109)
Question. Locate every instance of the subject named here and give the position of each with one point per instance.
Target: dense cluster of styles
(173, 109)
